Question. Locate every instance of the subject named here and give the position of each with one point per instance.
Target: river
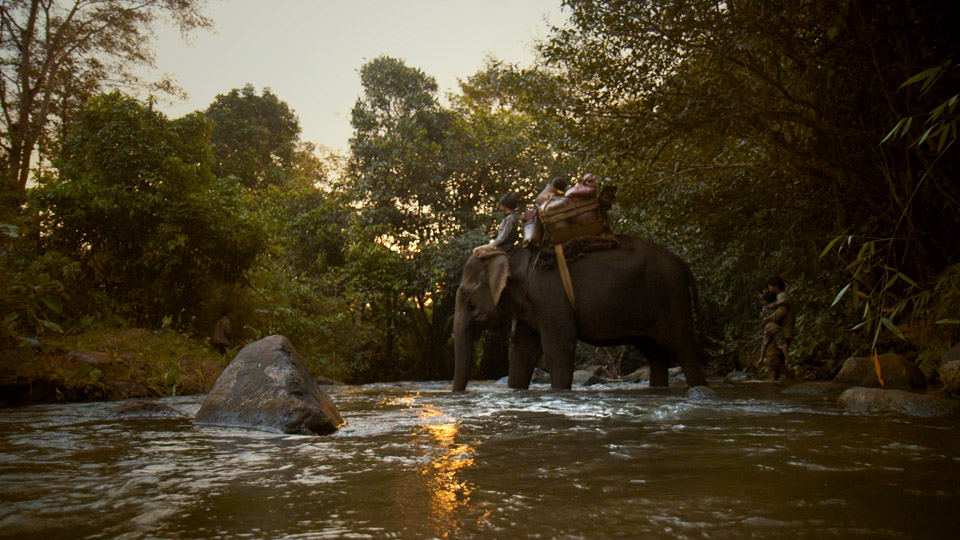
(416, 461)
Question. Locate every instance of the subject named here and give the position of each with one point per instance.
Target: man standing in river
(777, 286)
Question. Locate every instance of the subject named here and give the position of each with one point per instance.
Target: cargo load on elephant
(565, 218)
(559, 216)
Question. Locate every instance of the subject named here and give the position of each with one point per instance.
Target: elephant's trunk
(463, 359)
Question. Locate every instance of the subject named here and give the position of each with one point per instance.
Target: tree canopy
(55, 54)
(134, 200)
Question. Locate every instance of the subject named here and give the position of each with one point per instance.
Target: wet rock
(701, 392)
(737, 376)
(642, 374)
(89, 357)
(950, 377)
(144, 408)
(587, 376)
(268, 387)
(327, 381)
(540, 376)
(877, 400)
(820, 388)
(898, 373)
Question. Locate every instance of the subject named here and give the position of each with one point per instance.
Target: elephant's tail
(694, 292)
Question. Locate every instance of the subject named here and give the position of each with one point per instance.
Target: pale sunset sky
(309, 52)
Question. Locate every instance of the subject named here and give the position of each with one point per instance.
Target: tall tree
(55, 53)
(135, 202)
(255, 138)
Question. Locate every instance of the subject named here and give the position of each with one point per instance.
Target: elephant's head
(478, 299)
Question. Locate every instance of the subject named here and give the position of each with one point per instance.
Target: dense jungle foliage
(813, 140)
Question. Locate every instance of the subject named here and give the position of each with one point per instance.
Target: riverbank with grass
(108, 364)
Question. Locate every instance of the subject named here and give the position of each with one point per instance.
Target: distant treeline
(811, 140)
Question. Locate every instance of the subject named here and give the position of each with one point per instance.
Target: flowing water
(416, 461)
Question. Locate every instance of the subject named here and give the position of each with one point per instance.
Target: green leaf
(890, 282)
(943, 138)
(922, 76)
(840, 294)
(53, 303)
(908, 280)
(830, 246)
(51, 325)
(948, 321)
(906, 126)
(893, 131)
(892, 327)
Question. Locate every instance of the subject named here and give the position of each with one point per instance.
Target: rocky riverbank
(108, 365)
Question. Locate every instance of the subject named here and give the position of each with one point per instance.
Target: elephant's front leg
(524, 356)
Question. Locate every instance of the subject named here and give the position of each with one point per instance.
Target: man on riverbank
(777, 286)
(783, 311)
(221, 333)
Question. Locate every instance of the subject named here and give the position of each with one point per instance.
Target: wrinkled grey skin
(638, 294)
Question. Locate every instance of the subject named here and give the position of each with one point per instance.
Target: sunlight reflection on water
(417, 461)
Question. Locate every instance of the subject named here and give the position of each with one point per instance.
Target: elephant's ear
(498, 270)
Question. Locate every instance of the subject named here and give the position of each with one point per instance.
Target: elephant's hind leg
(658, 365)
(559, 354)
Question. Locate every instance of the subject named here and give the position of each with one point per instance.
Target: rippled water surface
(416, 461)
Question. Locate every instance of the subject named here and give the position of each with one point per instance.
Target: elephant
(637, 293)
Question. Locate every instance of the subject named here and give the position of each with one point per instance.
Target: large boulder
(878, 400)
(268, 387)
(953, 355)
(898, 373)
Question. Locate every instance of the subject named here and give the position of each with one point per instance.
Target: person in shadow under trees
(221, 332)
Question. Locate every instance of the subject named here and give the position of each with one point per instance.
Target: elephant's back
(661, 273)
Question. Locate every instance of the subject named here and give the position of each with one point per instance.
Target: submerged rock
(897, 372)
(701, 392)
(878, 400)
(144, 408)
(327, 381)
(819, 388)
(737, 376)
(268, 387)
